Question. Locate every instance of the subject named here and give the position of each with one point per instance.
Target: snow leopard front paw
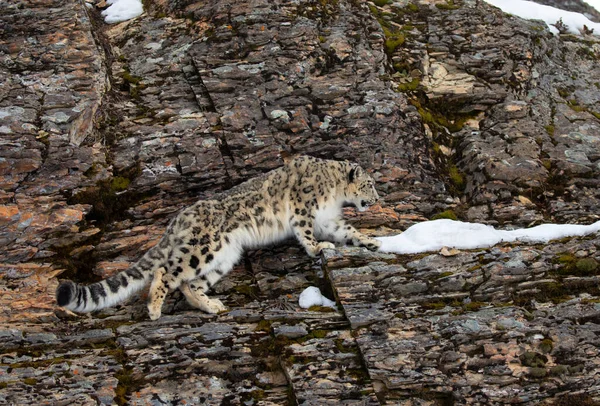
(324, 245)
(154, 311)
(214, 306)
(371, 244)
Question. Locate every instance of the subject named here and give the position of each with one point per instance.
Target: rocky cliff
(457, 109)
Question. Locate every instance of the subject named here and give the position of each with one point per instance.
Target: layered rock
(513, 110)
(455, 108)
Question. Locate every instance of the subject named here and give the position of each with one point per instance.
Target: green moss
(575, 369)
(448, 6)
(546, 163)
(437, 117)
(392, 42)
(125, 381)
(433, 305)
(533, 359)
(133, 84)
(474, 306)
(564, 92)
(411, 8)
(586, 266)
(134, 91)
(30, 381)
(571, 265)
(322, 39)
(566, 258)
(409, 86)
(558, 370)
(37, 363)
(444, 274)
(446, 214)
(427, 116)
(550, 129)
(401, 67)
(269, 346)
(538, 372)
(258, 394)
(546, 346)
(264, 325)
(247, 290)
(321, 309)
(131, 79)
(574, 105)
(339, 344)
(3, 385)
(381, 3)
(456, 177)
(318, 334)
(119, 183)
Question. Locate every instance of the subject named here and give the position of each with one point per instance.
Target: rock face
(455, 108)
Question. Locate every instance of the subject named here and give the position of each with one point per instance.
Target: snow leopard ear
(354, 173)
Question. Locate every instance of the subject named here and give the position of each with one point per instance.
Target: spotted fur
(304, 199)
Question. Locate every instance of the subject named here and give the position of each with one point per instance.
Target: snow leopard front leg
(303, 227)
(341, 232)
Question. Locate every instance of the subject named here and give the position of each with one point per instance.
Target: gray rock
(108, 131)
(290, 331)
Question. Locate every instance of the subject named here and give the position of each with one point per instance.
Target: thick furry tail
(113, 290)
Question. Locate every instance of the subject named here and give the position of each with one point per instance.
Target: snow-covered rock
(574, 22)
(312, 296)
(436, 234)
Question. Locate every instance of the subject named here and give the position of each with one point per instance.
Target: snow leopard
(302, 199)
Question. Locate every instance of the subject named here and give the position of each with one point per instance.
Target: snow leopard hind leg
(195, 293)
(193, 268)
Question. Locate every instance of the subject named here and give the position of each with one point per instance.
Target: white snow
(436, 234)
(312, 296)
(122, 10)
(550, 15)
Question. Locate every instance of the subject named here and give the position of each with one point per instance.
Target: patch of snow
(312, 296)
(436, 234)
(122, 10)
(550, 15)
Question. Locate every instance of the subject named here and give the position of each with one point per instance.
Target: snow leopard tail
(113, 290)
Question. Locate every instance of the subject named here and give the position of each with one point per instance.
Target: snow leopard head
(361, 189)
